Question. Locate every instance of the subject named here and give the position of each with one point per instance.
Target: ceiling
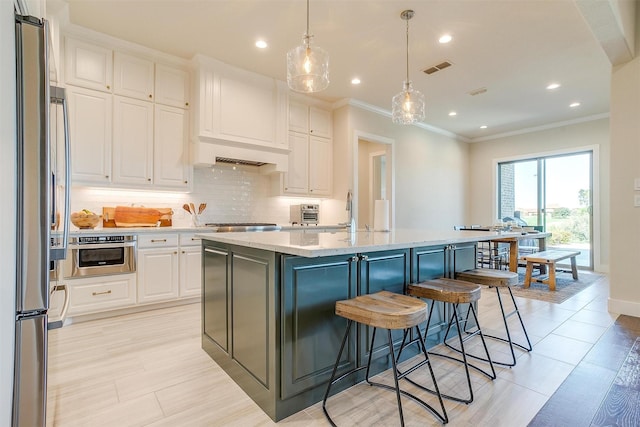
(513, 48)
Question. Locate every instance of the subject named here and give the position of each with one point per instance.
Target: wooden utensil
(202, 207)
(186, 208)
(193, 208)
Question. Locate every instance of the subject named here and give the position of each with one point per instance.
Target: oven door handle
(58, 323)
(101, 245)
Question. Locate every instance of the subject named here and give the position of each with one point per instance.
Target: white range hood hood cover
(207, 151)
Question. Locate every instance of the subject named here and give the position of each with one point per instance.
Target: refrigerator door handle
(59, 322)
(58, 96)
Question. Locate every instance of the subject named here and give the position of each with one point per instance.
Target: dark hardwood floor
(589, 396)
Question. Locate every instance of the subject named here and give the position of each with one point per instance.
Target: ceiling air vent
(477, 91)
(238, 161)
(436, 68)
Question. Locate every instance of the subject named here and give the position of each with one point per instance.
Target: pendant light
(407, 106)
(307, 67)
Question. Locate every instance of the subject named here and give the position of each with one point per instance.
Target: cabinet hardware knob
(175, 252)
(182, 251)
(186, 104)
(364, 258)
(149, 179)
(106, 176)
(186, 182)
(150, 96)
(101, 293)
(108, 87)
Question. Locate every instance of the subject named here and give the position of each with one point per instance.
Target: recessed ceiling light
(453, 113)
(574, 104)
(261, 44)
(483, 127)
(553, 86)
(355, 81)
(446, 38)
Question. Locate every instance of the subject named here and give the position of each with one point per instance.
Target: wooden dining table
(514, 244)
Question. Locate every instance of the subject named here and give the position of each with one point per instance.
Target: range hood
(207, 152)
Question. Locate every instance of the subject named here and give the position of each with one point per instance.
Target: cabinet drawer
(189, 239)
(157, 240)
(95, 296)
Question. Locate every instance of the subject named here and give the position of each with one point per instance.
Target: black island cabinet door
(215, 296)
(312, 333)
(381, 271)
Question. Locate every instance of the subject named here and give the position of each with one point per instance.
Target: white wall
(7, 214)
(431, 170)
(625, 161)
(556, 140)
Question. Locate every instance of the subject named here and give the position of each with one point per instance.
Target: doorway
(374, 178)
(553, 194)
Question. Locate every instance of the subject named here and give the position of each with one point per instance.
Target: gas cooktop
(225, 227)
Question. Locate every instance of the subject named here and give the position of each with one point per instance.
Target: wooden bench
(548, 258)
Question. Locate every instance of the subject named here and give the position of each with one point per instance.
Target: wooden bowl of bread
(85, 219)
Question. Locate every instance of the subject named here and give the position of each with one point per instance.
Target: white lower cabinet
(92, 295)
(190, 265)
(157, 268)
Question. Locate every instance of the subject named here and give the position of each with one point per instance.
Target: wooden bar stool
(499, 279)
(389, 311)
(454, 292)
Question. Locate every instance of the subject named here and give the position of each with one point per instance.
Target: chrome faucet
(351, 223)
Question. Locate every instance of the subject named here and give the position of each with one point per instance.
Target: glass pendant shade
(407, 106)
(307, 68)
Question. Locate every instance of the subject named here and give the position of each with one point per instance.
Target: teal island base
(268, 318)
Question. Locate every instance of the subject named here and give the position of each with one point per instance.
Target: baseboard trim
(629, 308)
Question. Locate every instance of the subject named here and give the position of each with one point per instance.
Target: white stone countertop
(317, 243)
(75, 231)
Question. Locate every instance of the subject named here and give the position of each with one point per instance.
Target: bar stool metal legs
(399, 320)
(500, 279)
(453, 292)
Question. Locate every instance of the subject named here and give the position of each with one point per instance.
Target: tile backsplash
(232, 194)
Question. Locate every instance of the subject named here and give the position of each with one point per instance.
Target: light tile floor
(147, 369)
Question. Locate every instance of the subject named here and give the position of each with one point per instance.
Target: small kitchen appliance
(305, 214)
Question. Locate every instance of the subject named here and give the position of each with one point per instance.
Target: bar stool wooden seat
(389, 311)
(499, 279)
(454, 292)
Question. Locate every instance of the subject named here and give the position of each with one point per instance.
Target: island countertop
(316, 243)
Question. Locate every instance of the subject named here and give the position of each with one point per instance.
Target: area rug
(621, 406)
(566, 287)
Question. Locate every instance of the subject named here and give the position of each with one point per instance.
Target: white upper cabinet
(172, 86)
(320, 123)
(320, 166)
(240, 106)
(133, 76)
(311, 157)
(171, 147)
(132, 141)
(88, 65)
(90, 127)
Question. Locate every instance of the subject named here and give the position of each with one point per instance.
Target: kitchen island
(268, 302)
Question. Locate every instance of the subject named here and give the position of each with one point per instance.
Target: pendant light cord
(407, 48)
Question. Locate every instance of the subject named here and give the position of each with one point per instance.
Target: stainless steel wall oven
(100, 256)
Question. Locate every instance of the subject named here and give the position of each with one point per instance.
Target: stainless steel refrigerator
(42, 215)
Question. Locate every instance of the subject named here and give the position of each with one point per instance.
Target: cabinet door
(90, 126)
(157, 274)
(88, 65)
(133, 76)
(296, 179)
(432, 263)
(320, 123)
(382, 271)
(172, 86)
(216, 296)
(96, 294)
(320, 166)
(132, 141)
(171, 147)
(312, 332)
(245, 109)
(298, 117)
(190, 271)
